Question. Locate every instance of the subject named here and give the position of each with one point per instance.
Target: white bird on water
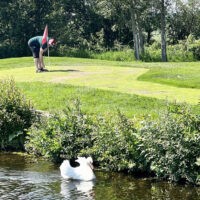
(83, 169)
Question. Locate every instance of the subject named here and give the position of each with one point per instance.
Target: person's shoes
(39, 71)
(44, 70)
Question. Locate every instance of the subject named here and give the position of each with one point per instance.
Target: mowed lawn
(121, 81)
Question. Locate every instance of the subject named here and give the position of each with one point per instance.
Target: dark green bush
(124, 55)
(16, 115)
(175, 53)
(151, 55)
(185, 51)
(167, 146)
(112, 143)
(6, 51)
(61, 136)
(195, 50)
(115, 144)
(73, 52)
(178, 53)
(171, 145)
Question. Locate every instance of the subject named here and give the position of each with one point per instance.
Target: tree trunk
(148, 36)
(135, 32)
(141, 42)
(163, 33)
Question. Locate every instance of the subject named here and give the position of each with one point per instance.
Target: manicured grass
(10, 63)
(105, 86)
(54, 97)
(185, 75)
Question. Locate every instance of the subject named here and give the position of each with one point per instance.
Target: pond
(21, 178)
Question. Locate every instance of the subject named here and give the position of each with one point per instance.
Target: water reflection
(118, 186)
(72, 188)
(22, 179)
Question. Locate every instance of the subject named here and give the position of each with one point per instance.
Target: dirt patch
(76, 75)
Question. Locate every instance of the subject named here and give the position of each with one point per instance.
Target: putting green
(121, 79)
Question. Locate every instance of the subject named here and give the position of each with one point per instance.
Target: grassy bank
(54, 97)
(105, 86)
(166, 145)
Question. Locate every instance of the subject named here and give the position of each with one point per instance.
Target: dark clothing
(35, 44)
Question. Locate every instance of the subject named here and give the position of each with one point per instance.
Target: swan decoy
(81, 169)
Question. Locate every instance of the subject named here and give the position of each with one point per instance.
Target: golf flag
(45, 40)
(45, 36)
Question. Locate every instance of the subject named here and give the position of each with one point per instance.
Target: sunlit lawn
(105, 86)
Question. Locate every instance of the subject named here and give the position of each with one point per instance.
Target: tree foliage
(167, 146)
(96, 25)
(16, 115)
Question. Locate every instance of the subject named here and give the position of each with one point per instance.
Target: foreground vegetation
(167, 146)
(16, 116)
(95, 110)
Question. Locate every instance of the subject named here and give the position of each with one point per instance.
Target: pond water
(23, 179)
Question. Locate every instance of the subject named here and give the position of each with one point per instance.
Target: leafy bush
(73, 52)
(171, 144)
(112, 143)
(195, 50)
(16, 115)
(125, 55)
(151, 55)
(175, 53)
(7, 51)
(62, 136)
(115, 144)
(167, 146)
(186, 50)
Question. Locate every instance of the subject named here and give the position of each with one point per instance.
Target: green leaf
(14, 135)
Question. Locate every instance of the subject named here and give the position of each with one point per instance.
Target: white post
(48, 58)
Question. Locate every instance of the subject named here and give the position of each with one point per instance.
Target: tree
(163, 31)
(135, 29)
(97, 25)
(184, 20)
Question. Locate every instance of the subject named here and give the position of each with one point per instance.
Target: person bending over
(38, 49)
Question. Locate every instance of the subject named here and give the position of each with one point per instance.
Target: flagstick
(48, 57)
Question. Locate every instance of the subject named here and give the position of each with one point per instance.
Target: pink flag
(45, 35)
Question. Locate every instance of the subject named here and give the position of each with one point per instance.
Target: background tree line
(99, 25)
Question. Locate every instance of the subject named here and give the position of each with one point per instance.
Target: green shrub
(179, 53)
(175, 53)
(151, 55)
(61, 136)
(195, 50)
(125, 55)
(115, 144)
(167, 146)
(171, 144)
(73, 52)
(7, 51)
(16, 115)
(111, 142)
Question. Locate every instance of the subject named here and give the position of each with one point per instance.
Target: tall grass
(185, 51)
(125, 55)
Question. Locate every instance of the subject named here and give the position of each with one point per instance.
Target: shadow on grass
(68, 70)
